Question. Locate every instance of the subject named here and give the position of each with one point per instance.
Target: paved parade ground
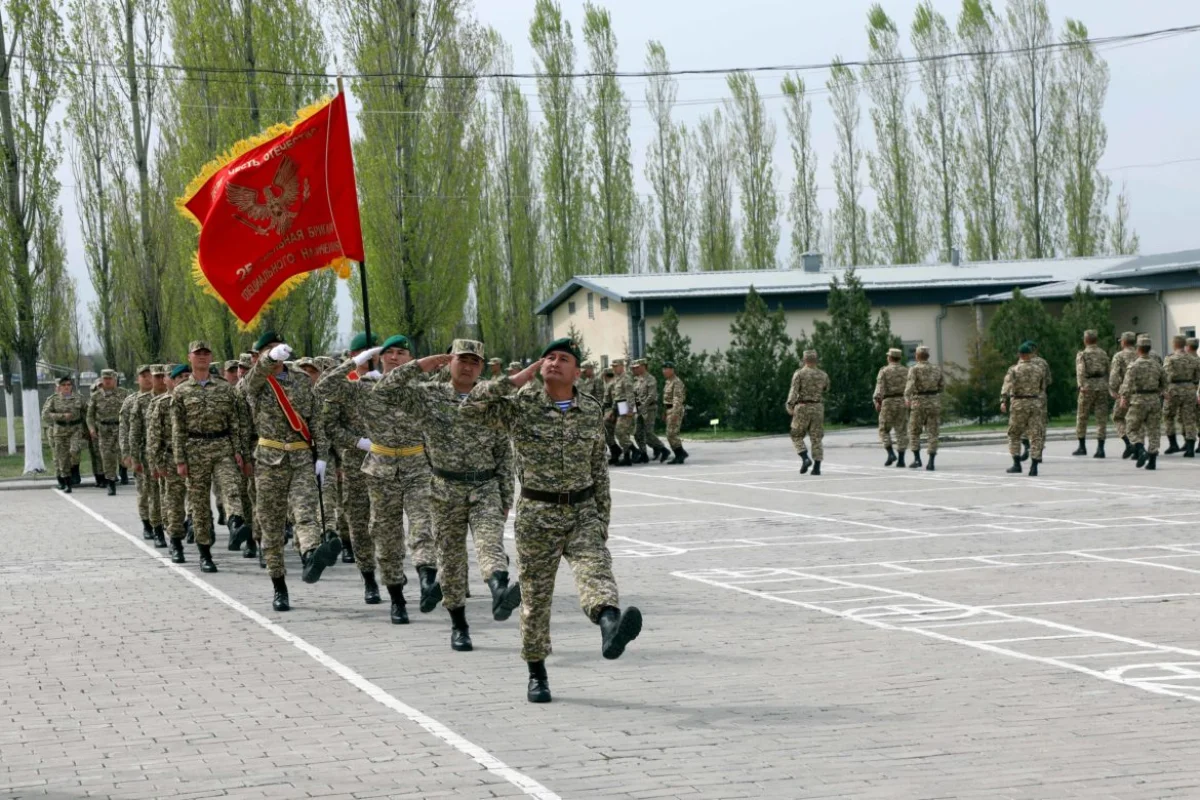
(871, 632)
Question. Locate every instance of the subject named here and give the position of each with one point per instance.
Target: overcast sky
(1151, 111)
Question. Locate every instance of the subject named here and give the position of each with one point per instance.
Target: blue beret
(180, 370)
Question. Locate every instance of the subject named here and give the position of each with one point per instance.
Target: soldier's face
(200, 361)
(66, 388)
(158, 382)
(559, 366)
(668, 372)
(394, 357)
(618, 369)
(495, 370)
(465, 368)
(589, 373)
(108, 383)
(231, 375)
(312, 372)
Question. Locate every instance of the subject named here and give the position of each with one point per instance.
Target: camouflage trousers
(1181, 402)
(289, 487)
(924, 415)
(1026, 420)
(674, 420)
(808, 419)
(209, 462)
(646, 435)
(1143, 421)
(356, 511)
(456, 506)
(1119, 412)
(108, 448)
(1092, 402)
(173, 492)
(149, 505)
(623, 431)
(392, 499)
(893, 416)
(66, 448)
(545, 535)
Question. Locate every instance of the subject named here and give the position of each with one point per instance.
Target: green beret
(1025, 349)
(670, 364)
(399, 340)
(360, 342)
(65, 379)
(566, 345)
(268, 337)
(1031, 345)
(180, 370)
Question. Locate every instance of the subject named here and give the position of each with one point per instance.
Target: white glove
(320, 470)
(374, 375)
(280, 352)
(364, 444)
(366, 355)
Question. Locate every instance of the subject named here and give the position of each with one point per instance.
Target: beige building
(939, 305)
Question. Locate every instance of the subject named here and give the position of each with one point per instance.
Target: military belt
(397, 452)
(1185, 380)
(1096, 375)
(478, 476)
(109, 421)
(668, 405)
(65, 424)
(1026, 397)
(927, 394)
(1145, 391)
(216, 435)
(559, 498)
(893, 396)
(288, 446)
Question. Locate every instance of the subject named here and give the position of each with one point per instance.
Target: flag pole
(362, 270)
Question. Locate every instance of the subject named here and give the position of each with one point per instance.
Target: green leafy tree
(1085, 187)
(937, 123)
(715, 233)
(1086, 311)
(975, 392)
(760, 363)
(700, 372)
(852, 347)
(851, 240)
(804, 211)
(1122, 238)
(577, 337)
(1024, 319)
(753, 158)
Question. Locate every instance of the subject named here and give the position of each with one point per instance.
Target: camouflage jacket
(925, 382)
(1044, 366)
(370, 415)
(593, 386)
(207, 409)
(1120, 363)
(131, 417)
(104, 408)
(126, 419)
(809, 385)
(58, 408)
(645, 393)
(453, 442)
(343, 414)
(1091, 369)
(674, 394)
(1024, 380)
(1183, 369)
(159, 452)
(1145, 381)
(889, 383)
(139, 434)
(620, 390)
(556, 451)
(271, 423)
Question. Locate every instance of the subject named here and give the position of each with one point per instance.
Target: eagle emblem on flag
(278, 198)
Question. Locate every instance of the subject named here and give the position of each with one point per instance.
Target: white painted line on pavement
(473, 751)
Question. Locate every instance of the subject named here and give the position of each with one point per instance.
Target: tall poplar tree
(937, 123)
(803, 210)
(851, 240)
(670, 172)
(753, 138)
(1122, 238)
(715, 234)
(1085, 188)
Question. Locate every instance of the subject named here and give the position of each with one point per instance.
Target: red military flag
(276, 207)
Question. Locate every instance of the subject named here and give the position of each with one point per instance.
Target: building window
(591, 307)
(910, 351)
(571, 307)
(604, 304)
(1189, 331)
(603, 363)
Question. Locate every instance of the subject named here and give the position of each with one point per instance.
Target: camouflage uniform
(674, 401)
(472, 483)
(206, 434)
(621, 391)
(1183, 375)
(1116, 375)
(397, 479)
(66, 414)
(610, 422)
(560, 453)
(893, 416)
(806, 405)
(646, 397)
(172, 488)
(104, 421)
(1091, 376)
(246, 487)
(133, 447)
(1143, 386)
(346, 425)
(923, 393)
(1023, 389)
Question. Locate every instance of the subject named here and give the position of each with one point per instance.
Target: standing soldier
(610, 420)
(1021, 398)
(565, 504)
(65, 409)
(206, 440)
(1044, 365)
(646, 397)
(674, 404)
(621, 400)
(125, 438)
(1116, 375)
(104, 425)
(513, 368)
(495, 368)
(806, 406)
(472, 483)
(172, 487)
(1091, 376)
(889, 403)
(923, 397)
(1142, 390)
(590, 383)
(1183, 374)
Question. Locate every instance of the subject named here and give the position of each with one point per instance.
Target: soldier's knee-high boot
(206, 561)
(1152, 461)
(1082, 449)
(539, 683)
(1139, 454)
(678, 459)
(1129, 448)
(506, 597)
(1033, 467)
(147, 530)
(614, 454)
(1189, 448)
(160, 537)
(1173, 446)
(1099, 449)
(816, 470)
(431, 590)
(900, 459)
(460, 632)
(370, 589)
(916, 462)
(1015, 469)
(805, 463)
(1025, 450)
(281, 602)
(220, 514)
(891, 459)
(399, 615)
(929, 466)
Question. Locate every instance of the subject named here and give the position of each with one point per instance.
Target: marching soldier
(472, 484)
(565, 504)
(610, 420)
(1044, 365)
(139, 445)
(495, 369)
(923, 397)
(135, 460)
(1116, 375)
(1091, 376)
(806, 406)
(674, 404)
(646, 397)
(590, 383)
(1183, 374)
(160, 453)
(1021, 398)
(65, 409)
(1142, 390)
(514, 367)
(889, 404)
(104, 421)
(622, 407)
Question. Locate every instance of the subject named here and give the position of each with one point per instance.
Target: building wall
(1141, 314)
(605, 331)
(1183, 311)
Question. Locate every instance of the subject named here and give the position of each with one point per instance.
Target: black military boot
(76, 478)
(643, 456)
(460, 632)
(816, 470)
(539, 684)
(805, 463)
(614, 457)
(177, 551)
(891, 459)
(662, 454)
(124, 473)
(1015, 469)
(431, 590)
(399, 614)
(112, 488)
(1173, 444)
(1129, 448)
(100, 481)
(281, 602)
(1152, 461)
(190, 529)
(626, 457)
(347, 551)
(1033, 465)
(206, 562)
(900, 459)
(1081, 450)
(239, 532)
(251, 550)
(262, 556)
(929, 466)
(1139, 454)
(66, 485)
(1189, 448)
(617, 629)
(1025, 450)
(316, 560)
(288, 532)
(506, 597)
(916, 462)
(147, 531)
(160, 537)
(679, 456)
(220, 514)
(686, 454)
(370, 589)
(59, 478)
(1099, 449)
